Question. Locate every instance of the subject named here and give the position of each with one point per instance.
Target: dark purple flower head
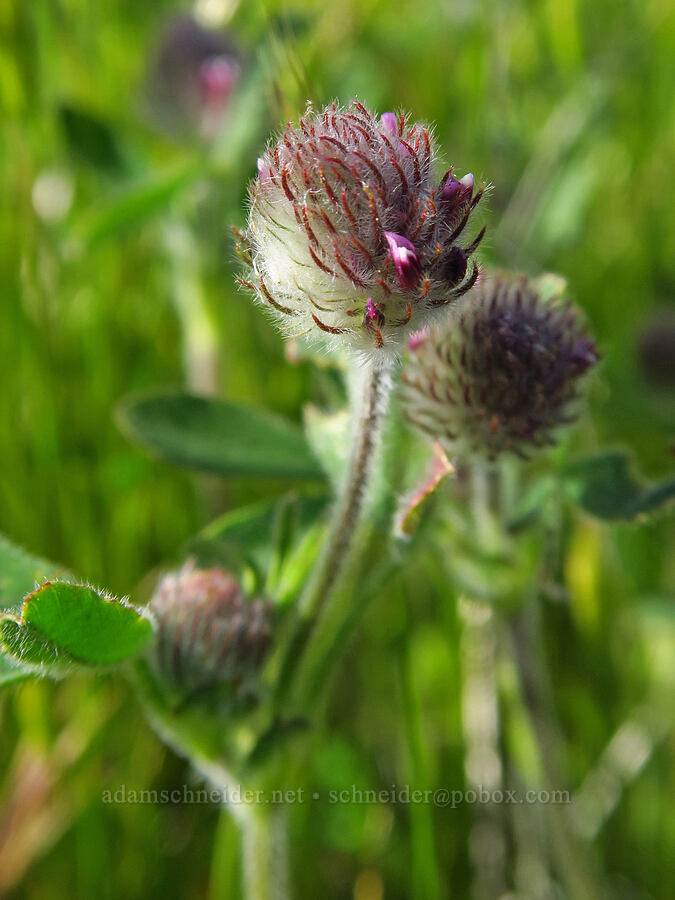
(503, 375)
(208, 631)
(350, 234)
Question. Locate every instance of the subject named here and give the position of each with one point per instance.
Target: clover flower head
(192, 78)
(350, 236)
(208, 631)
(503, 374)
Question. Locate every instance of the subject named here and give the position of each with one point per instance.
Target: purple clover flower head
(193, 75)
(404, 257)
(209, 632)
(348, 237)
(504, 375)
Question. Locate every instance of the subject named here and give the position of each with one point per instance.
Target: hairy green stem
(262, 829)
(264, 854)
(224, 877)
(349, 505)
(347, 512)
(480, 708)
(482, 753)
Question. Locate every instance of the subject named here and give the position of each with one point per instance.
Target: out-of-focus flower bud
(209, 632)
(500, 376)
(192, 77)
(350, 235)
(656, 350)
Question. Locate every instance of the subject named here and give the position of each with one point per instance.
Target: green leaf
(276, 738)
(604, 486)
(11, 672)
(533, 504)
(266, 536)
(91, 139)
(20, 573)
(215, 436)
(252, 525)
(30, 650)
(328, 434)
(89, 626)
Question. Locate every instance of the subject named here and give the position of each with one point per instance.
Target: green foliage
(20, 573)
(92, 627)
(62, 624)
(30, 650)
(604, 486)
(131, 206)
(91, 139)
(10, 672)
(219, 437)
(272, 542)
(566, 108)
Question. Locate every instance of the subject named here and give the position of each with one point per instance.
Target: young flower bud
(192, 78)
(208, 632)
(349, 235)
(502, 375)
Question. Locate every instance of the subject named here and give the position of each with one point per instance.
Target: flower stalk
(348, 508)
(263, 832)
(369, 415)
(570, 856)
(262, 829)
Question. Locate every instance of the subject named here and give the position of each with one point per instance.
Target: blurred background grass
(566, 107)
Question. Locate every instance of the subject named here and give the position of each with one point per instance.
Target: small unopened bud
(192, 78)
(457, 190)
(209, 632)
(404, 257)
(502, 375)
(351, 236)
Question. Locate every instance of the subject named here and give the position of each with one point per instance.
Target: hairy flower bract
(351, 236)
